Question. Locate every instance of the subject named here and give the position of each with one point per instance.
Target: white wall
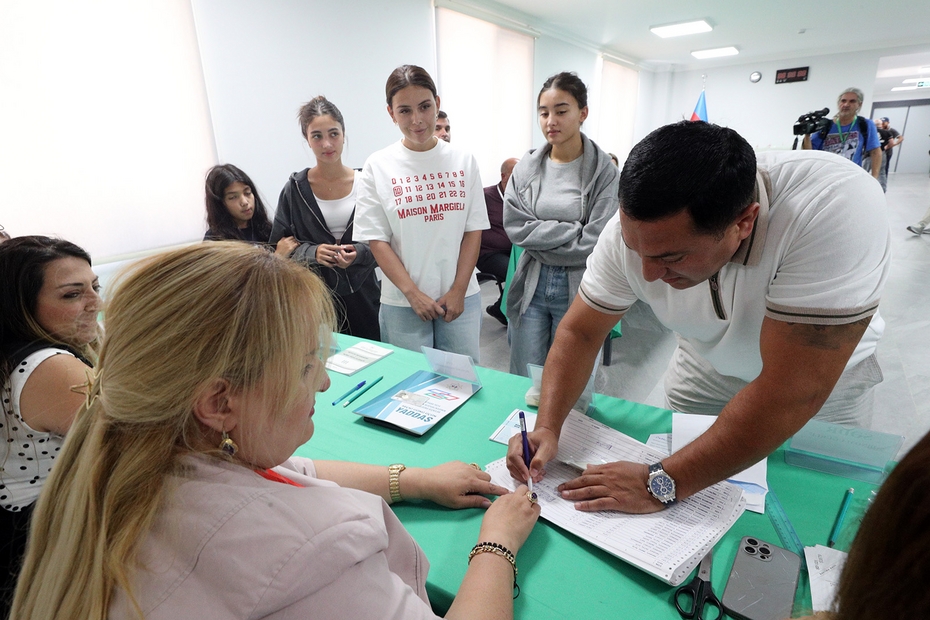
(263, 59)
(554, 56)
(765, 112)
(108, 127)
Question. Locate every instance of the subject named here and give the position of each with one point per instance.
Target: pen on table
(840, 517)
(346, 395)
(367, 387)
(526, 452)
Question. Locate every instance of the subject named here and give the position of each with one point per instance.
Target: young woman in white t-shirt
(317, 208)
(421, 208)
(48, 335)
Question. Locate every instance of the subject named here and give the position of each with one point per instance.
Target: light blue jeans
(401, 327)
(530, 342)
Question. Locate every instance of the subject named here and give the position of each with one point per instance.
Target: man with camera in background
(769, 268)
(849, 135)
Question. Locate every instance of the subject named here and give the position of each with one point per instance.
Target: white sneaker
(918, 229)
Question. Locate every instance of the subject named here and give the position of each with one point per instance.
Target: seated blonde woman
(176, 495)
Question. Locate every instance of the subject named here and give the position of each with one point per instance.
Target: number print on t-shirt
(429, 195)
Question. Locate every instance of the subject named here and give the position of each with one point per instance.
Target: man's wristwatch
(660, 485)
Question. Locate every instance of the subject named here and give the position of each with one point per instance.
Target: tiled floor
(903, 398)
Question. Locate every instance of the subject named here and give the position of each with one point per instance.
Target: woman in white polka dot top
(48, 337)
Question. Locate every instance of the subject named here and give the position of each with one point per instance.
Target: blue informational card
(418, 402)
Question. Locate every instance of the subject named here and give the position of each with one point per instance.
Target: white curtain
(485, 84)
(619, 89)
(105, 130)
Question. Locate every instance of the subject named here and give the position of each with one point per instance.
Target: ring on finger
(476, 466)
(531, 495)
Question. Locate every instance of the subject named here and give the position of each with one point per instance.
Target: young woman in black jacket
(317, 208)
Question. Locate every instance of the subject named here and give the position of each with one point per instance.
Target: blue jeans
(530, 342)
(401, 327)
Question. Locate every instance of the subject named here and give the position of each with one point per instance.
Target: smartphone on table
(762, 581)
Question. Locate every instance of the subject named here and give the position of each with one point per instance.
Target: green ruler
(790, 541)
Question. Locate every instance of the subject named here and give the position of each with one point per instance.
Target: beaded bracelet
(502, 551)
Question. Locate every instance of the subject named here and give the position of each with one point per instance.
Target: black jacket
(299, 216)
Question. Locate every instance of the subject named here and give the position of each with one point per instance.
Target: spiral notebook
(667, 544)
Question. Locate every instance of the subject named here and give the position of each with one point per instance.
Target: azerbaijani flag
(700, 110)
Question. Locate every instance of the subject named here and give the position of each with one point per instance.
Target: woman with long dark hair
(317, 207)
(235, 210)
(48, 340)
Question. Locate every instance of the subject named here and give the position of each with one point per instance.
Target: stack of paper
(667, 544)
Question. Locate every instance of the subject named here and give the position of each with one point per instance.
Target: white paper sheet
(686, 427)
(824, 565)
(511, 426)
(661, 442)
(668, 544)
(360, 355)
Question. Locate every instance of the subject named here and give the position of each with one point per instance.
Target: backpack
(863, 131)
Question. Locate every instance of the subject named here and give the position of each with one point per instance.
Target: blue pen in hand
(357, 387)
(526, 451)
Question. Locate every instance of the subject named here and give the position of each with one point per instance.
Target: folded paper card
(420, 401)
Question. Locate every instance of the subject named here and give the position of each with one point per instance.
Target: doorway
(912, 119)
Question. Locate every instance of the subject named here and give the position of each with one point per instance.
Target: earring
(228, 446)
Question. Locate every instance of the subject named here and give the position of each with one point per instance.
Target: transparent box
(856, 453)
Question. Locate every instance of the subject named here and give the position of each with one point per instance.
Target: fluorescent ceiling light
(678, 30)
(904, 88)
(715, 53)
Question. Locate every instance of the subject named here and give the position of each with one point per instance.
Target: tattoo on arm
(829, 337)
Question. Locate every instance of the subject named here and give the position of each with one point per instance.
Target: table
(561, 576)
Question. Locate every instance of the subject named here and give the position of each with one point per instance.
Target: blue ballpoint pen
(357, 387)
(359, 394)
(526, 452)
(840, 517)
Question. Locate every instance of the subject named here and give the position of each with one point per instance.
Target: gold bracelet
(502, 551)
(394, 482)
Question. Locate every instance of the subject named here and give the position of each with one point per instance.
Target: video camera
(812, 122)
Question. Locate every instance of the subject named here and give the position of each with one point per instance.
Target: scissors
(692, 598)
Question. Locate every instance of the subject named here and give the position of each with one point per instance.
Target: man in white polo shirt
(770, 271)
